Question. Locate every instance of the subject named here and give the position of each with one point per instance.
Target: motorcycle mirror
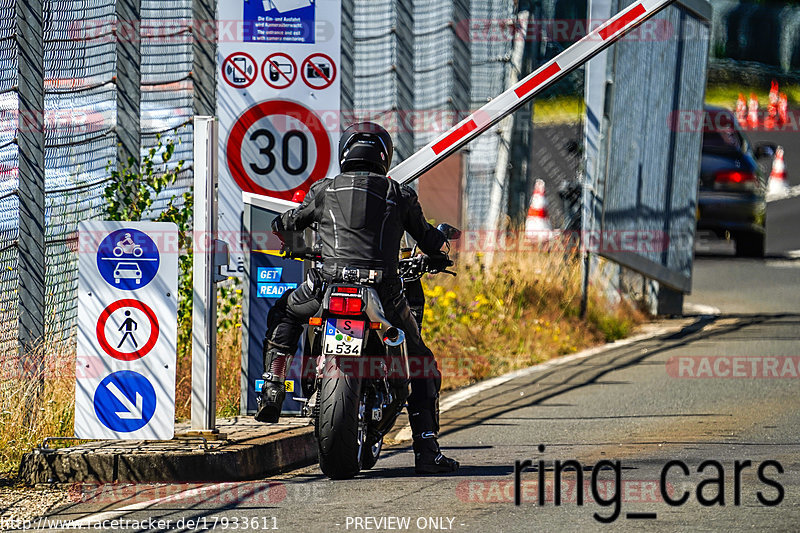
(449, 231)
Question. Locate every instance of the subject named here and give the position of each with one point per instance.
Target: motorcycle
(362, 373)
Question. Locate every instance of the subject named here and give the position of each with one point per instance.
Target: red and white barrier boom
(516, 96)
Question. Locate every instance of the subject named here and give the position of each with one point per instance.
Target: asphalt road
(628, 404)
(644, 404)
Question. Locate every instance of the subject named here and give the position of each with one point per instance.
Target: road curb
(237, 460)
(231, 461)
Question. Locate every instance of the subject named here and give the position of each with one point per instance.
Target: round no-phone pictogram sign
(318, 71)
(239, 70)
(278, 147)
(279, 70)
(135, 330)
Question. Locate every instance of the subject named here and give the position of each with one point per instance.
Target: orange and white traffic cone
(741, 111)
(771, 119)
(777, 178)
(752, 111)
(537, 223)
(783, 109)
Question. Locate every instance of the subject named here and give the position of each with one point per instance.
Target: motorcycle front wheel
(340, 431)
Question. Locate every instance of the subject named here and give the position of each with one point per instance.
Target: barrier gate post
(267, 276)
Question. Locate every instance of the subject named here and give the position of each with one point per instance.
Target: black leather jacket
(361, 217)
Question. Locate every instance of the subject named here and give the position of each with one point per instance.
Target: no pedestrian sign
(127, 330)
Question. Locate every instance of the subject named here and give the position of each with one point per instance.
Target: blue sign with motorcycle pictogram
(125, 401)
(128, 259)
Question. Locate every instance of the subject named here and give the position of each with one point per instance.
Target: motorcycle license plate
(343, 336)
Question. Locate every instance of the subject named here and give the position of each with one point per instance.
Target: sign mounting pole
(516, 96)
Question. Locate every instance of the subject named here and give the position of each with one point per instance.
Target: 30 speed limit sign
(278, 147)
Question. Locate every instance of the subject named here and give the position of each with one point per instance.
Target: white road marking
(700, 309)
(790, 193)
(191, 494)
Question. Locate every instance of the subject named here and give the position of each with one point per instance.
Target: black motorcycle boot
(428, 458)
(270, 401)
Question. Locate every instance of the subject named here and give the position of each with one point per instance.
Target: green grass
(558, 110)
(727, 95)
(570, 109)
(515, 310)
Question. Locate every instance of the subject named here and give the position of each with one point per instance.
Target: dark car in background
(731, 199)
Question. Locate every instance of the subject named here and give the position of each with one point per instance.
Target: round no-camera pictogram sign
(318, 71)
(279, 70)
(239, 70)
(277, 148)
(127, 330)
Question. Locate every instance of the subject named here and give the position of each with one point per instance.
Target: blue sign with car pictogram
(128, 259)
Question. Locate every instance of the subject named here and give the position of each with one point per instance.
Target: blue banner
(279, 21)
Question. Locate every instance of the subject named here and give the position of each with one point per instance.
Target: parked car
(731, 199)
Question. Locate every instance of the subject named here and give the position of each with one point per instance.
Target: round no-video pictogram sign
(239, 70)
(279, 70)
(127, 329)
(318, 71)
(277, 148)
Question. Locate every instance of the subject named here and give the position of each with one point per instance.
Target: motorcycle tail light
(336, 304)
(344, 306)
(734, 179)
(353, 306)
(346, 290)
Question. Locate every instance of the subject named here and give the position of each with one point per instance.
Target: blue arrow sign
(125, 401)
(128, 259)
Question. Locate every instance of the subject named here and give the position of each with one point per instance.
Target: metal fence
(417, 70)
(400, 60)
(80, 118)
(641, 166)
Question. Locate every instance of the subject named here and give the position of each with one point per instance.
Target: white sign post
(127, 330)
(278, 102)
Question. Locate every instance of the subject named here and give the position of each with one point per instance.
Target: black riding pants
(293, 309)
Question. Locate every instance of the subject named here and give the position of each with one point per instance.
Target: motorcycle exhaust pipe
(394, 337)
(395, 341)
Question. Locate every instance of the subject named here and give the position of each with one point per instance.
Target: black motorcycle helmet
(365, 146)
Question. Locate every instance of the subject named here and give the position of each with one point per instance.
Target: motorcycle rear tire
(337, 427)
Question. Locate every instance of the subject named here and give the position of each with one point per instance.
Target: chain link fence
(417, 68)
(80, 46)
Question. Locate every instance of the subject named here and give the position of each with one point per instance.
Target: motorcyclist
(361, 216)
